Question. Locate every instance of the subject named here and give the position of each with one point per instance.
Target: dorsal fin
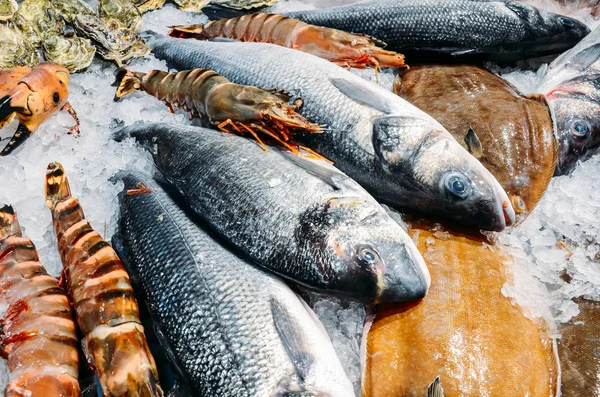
(435, 388)
(361, 91)
(474, 144)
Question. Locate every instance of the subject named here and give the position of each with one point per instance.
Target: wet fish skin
(397, 152)
(235, 331)
(306, 222)
(503, 30)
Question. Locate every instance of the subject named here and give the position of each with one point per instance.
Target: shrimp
(343, 48)
(105, 307)
(33, 95)
(38, 334)
(232, 107)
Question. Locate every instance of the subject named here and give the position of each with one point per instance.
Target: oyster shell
(148, 5)
(243, 5)
(121, 11)
(74, 53)
(70, 8)
(191, 5)
(15, 50)
(36, 18)
(137, 50)
(7, 9)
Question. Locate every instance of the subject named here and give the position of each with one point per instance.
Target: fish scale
(494, 29)
(397, 152)
(215, 309)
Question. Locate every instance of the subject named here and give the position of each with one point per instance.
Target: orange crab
(33, 95)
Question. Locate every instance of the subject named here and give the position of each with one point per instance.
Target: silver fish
(300, 218)
(396, 151)
(571, 84)
(233, 330)
(502, 30)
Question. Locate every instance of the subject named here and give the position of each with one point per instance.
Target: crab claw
(17, 139)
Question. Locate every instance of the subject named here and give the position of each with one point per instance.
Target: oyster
(121, 11)
(70, 8)
(243, 4)
(148, 5)
(192, 5)
(15, 50)
(74, 53)
(7, 9)
(122, 57)
(37, 18)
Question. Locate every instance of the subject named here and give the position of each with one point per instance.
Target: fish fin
(20, 136)
(474, 144)
(435, 388)
(9, 224)
(363, 93)
(216, 12)
(126, 82)
(469, 51)
(584, 59)
(332, 177)
(293, 341)
(538, 98)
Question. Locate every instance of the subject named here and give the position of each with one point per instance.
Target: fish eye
(566, 22)
(56, 97)
(518, 204)
(368, 255)
(580, 129)
(458, 185)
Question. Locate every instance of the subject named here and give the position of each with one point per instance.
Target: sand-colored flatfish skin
(510, 134)
(465, 331)
(579, 351)
(233, 329)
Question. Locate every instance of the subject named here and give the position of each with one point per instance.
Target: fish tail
(57, 185)
(9, 224)
(126, 82)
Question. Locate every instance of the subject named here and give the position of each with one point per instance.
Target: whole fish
(300, 218)
(572, 87)
(466, 332)
(397, 152)
(233, 330)
(492, 120)
(503, 30)
(37, 335)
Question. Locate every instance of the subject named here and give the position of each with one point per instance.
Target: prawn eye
(368, 255)
(458, 185)
(566, 22)
(580, 129)
(56, 97)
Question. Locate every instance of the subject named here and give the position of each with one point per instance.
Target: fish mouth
(410, 287)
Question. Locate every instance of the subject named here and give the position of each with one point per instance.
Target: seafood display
(398, 153)
(571, 86)
(15, 50)
(32, 96)
(504, 30)
(267, 339)
(38, 335)
(335, 237)
(345, 49)
(232, 107)
(513, 138)
(466, 332)
(105, 308)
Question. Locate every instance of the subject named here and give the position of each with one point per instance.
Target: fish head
(575, 107)
(437, 175)
(368, 253)
(546, 32)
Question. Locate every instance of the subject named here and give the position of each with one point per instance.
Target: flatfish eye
(458, 185)
(580, 129)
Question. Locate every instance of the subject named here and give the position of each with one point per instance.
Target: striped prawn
(233, 108)
(105, 307)
(338, 46)
(38, 335)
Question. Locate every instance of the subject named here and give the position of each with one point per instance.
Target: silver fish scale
(258, 200)
(214, 309)
(348, 139)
